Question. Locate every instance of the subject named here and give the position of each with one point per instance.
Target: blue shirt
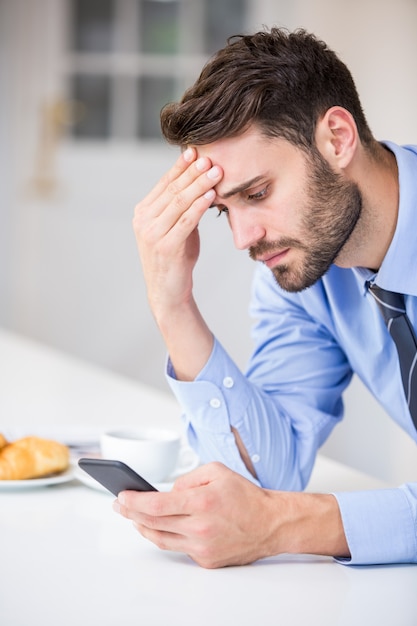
(307, 345)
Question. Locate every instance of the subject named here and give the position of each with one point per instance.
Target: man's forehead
(249, 159)
(239, 157)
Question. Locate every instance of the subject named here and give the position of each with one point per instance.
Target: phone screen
(115, 475)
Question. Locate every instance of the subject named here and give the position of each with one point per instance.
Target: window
(127, 58)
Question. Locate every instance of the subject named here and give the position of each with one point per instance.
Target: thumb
(199, 477)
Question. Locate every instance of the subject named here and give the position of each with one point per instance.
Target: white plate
(34, 483)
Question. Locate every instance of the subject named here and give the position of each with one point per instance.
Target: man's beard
(333, 209)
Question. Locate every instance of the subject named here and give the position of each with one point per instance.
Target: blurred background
(81, 86)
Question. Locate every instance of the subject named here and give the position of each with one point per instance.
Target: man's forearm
(188, 339)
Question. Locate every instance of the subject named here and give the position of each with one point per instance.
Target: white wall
(87, 296)
(69, 271)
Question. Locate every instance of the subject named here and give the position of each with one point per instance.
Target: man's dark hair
(280, 81)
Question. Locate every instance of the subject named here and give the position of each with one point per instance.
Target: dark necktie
(392, 307)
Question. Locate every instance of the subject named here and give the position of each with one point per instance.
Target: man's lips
(273, 259)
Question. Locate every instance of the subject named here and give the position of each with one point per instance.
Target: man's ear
(337, 137)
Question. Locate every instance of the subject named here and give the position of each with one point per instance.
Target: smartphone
(115, 475)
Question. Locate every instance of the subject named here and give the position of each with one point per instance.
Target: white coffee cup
(154, 453)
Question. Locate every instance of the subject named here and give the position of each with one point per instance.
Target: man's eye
(259, 195)
(222, 209)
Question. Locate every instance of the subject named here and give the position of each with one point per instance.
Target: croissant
(31, 457)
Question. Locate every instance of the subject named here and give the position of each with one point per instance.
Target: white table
(66, 558)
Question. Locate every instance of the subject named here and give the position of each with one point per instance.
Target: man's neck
(377, 178)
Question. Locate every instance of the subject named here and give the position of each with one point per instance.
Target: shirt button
(228, 382)
(215, 403)
(255, 458)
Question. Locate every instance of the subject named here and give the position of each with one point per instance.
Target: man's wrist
(307, 523)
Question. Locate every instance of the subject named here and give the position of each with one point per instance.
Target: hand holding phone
(115, 475)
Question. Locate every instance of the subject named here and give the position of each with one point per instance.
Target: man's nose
(245, 229)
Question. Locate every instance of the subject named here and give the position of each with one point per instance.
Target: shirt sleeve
(284, 407)
(286, 403)
(380, 526)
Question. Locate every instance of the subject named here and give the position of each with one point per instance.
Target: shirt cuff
(218, 396)
(380, 526)
(218, 392)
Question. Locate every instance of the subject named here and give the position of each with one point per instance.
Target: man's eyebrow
(239, 188)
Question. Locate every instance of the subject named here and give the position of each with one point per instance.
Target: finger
(178, 223)
(177, 213)
(182, 163)
(165, 540)
(198, 541)
(180, 193)
(184, 200)
(188, 198)
(182, 173)
(153, 199)
(136, 505)
(194, 183)
(168, 231)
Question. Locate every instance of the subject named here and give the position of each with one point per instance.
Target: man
(274, 136)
